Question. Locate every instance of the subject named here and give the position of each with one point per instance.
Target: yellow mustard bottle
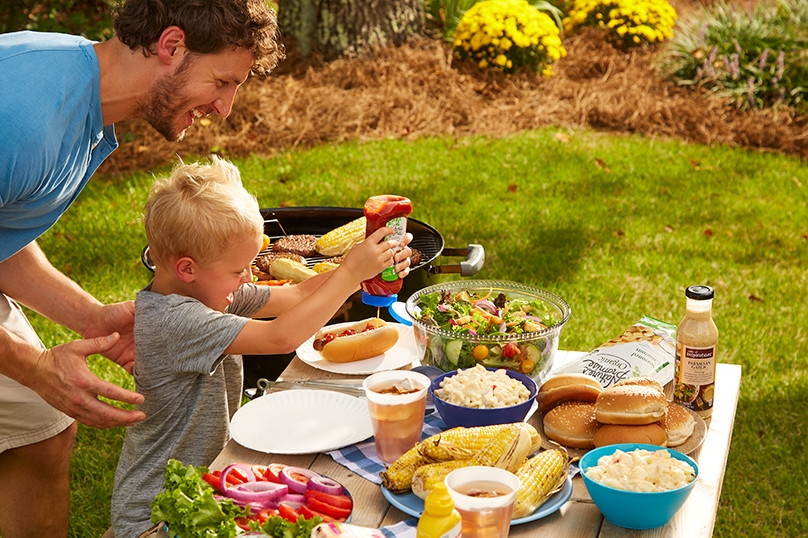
(440, 519)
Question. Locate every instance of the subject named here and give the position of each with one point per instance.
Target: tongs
(352, 387)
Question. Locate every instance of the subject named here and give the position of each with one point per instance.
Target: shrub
(445, 14)
(628, 23)
(756, 56)
(507, 35)
(90, 18)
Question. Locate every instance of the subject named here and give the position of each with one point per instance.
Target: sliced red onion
(487, 305)
(289, 477)
(325, 485)
(442, 307)
(223, 486)
(503, 328)
(257, 492)
(293, 497)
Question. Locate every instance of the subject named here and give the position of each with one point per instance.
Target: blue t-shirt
(52, 135)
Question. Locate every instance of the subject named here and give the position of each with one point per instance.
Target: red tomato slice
(259, 471)
(273, 472)
(308, 513)
(267, 513)
(213, 480)
(231, 479)
(327, 509)
(288, 513)
(339, 501)
(243, 523)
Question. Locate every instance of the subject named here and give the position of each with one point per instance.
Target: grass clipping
(417, 91)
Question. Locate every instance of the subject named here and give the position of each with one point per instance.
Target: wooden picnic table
(579, 517)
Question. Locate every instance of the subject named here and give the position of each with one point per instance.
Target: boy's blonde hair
(199, 211)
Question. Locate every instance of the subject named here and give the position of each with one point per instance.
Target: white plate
(411, 504)
(301, 422)
(403, 353)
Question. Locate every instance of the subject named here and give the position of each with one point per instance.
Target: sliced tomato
(308, 513)
(339, 501)
(273, 473)
(259, 471)
(267, 513)
(327, 509)
(213, 480)
(244, 523)
(231, 478)
(288, 513)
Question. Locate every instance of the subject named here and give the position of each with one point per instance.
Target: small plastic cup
(484, 496)
(398, 419)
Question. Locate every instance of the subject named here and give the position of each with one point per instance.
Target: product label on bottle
(454, 532)
(695, 377)
(399, 225)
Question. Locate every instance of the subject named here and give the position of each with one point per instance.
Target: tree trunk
(332, 28)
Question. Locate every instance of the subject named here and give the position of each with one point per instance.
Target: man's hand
(63, 379)
(120, 318)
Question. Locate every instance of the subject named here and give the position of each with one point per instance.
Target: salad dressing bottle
(696, 343)
(439, 519)
(380, 211)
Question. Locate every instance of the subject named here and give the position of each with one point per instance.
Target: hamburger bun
(567, 388)
(644, 381)
(630, 404)
(572, 424)
(678, 424)
(612, 434)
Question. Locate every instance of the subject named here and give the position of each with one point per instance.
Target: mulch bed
(417, 91)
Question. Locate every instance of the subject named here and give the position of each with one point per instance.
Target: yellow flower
(483, 63)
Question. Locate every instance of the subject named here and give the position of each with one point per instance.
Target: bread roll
(612, 434)
(678, 424)
(630, 404)
(644, 381)
(572, 424)
(567, 388)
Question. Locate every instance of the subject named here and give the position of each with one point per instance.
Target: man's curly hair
(210, 27)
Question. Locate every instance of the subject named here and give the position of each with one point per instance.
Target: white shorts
(25, 418)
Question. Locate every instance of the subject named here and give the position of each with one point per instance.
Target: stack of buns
(579, 413)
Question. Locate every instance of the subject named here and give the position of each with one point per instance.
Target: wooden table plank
(579, 516)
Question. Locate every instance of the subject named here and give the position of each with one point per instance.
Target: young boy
(192, 323)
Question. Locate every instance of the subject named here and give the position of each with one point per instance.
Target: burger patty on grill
(301, 244)
(262, 263)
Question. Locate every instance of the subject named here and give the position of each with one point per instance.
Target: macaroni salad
(481, 388)
(642, 470)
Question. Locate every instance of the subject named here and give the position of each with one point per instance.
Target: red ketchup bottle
(380, 211)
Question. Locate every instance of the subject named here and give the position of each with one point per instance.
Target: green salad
(471, 315)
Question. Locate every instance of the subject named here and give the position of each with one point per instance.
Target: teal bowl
(635, 510)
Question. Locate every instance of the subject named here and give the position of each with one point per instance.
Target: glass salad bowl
(498, 324)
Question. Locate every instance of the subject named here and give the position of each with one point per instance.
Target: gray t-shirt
(191, 389)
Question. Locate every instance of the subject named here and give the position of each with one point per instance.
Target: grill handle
(475, 258)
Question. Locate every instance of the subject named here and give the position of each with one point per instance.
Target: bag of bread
(645, 349)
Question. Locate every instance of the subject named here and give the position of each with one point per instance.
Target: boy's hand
(374, 255)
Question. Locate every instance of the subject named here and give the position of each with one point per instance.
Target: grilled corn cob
(435, 449)
(507, 451)
(340, 240)
(324, 267)
(398, 477)
(539, 477)
(286, 269)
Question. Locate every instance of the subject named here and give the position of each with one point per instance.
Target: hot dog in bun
(355, 341)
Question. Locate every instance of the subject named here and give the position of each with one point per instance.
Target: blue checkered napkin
(361, 458)
(405, 529)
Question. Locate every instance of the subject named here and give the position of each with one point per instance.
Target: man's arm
(60, 375)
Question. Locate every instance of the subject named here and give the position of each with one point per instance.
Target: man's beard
(165, 102)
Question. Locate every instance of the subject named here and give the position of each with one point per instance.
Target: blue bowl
(456, 415)
(635, 510)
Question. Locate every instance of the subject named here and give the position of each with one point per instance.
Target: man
(170, 62)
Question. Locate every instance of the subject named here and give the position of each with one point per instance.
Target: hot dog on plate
(355, 341)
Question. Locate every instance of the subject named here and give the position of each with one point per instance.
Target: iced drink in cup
(484, 497)
(397, 400)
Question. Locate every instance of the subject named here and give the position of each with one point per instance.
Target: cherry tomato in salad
(510, 350)
(338, 501)
(480, 352)
(327, 509)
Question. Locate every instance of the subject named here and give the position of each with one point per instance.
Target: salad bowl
(498, 324)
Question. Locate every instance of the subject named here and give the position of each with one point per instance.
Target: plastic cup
(484, 497)
(398, 419)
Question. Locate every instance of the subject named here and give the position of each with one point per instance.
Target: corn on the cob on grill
(286, 269)
(507, 451)
(324, 267)
(539, 477)
(340, 240)
(398, 477)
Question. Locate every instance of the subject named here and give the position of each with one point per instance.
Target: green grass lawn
(618, 226)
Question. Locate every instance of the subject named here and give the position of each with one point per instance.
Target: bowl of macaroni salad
(638, 486)
(480, 396)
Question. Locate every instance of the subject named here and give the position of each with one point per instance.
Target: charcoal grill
(317, 221)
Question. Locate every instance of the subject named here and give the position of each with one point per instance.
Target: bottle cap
(398, 311)
(379, 301)
(439, 502)
(699, 293)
